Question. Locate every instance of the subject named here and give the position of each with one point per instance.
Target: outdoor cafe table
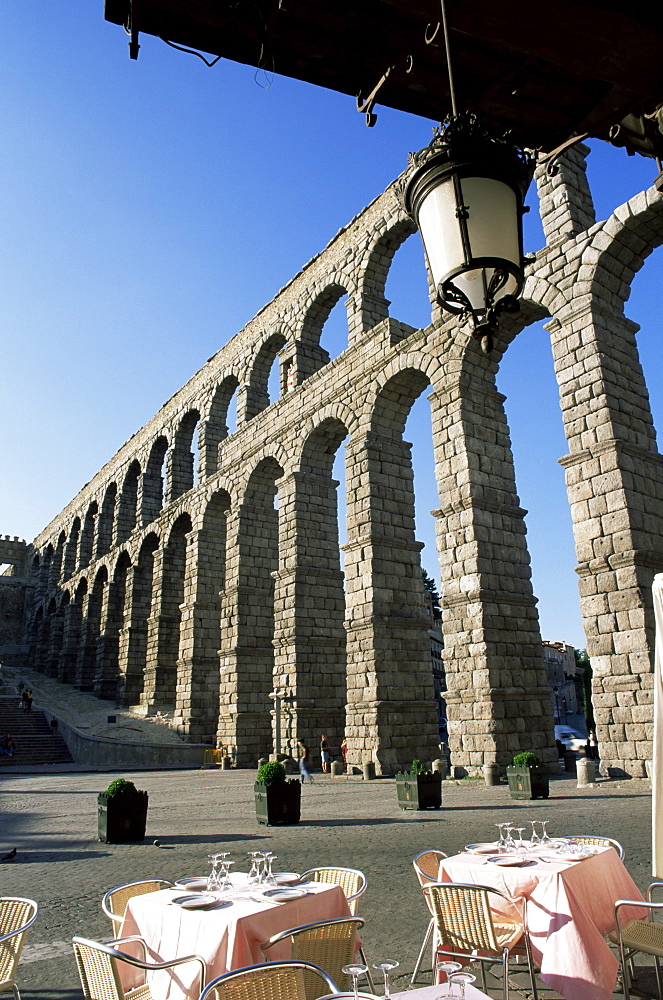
(570, 908)
(227, 938)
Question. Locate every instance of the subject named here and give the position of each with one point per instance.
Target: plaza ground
(50, 816)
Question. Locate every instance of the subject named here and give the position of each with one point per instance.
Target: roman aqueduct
(198, 592)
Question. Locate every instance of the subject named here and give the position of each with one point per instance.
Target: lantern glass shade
(491, 241)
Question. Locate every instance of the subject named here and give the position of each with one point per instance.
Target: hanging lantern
(465, 192)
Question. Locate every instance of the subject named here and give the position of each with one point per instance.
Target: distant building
(561, 672)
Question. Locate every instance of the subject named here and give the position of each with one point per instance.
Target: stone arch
(107, 675)
(56, 565)
(45, 573)
(181, 457)
(86, 666)
(54, 613)
(71, 549)
(248, 674)
(139, 601)
(105, 521)
(125, 521)
(629, 236)
(215, 428)
(153, 482)
(72, 628)
(309, 356)
(87, 536)
(201, 711)
(257, 394)
(160, 689)
(374, 306)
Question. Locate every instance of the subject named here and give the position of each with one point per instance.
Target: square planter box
(122, 818)
(528, 782)
(419, 791)
(278, 804)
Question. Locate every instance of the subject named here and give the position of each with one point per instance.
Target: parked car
(572, 739)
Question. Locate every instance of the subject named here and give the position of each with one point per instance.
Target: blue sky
(150, 208)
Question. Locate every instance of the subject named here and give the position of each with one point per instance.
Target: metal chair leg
(420, 957)
(368, 970)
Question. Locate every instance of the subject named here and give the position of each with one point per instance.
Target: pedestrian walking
(304, 772)
(324, 754)
(29, 702)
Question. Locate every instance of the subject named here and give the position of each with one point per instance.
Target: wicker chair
(16, 915)
(99, 973)
(271, 981)
(330, 944)
(465, 926)
(582, 838)
(427, 868)
(353, 883)
(643, 936)
(115, 901)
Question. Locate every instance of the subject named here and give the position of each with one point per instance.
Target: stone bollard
(586, 771)
(491, 774)
(336, 768)
(441, 767)
(225, 763)
(369, 770)
(262, 760)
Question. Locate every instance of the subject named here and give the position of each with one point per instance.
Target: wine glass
(224, 878)
(545, 839)
(355, 971)
(534, 839)
(213, 877)
(501, 843)
(268, 878)
(521, 849)
(461, 979)
(254, 870)
(448, 968)
(387, 966)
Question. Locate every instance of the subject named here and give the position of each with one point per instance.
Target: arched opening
(153, 482)
(73, 625)
(161, 674)
(128, 504)
(105, 521)
(327, 314)
(71, 549)
(50, 667)
(313, 667)
(56, 565)
(87, 536)
(205, 707)
(374, 301)
(406, 288)
(140, 601)
(266, 365)
(90, 631)
(181, 458)
(106, 683)
(249, 652)
(221, 421)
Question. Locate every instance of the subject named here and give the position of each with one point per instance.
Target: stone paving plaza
(50, 817)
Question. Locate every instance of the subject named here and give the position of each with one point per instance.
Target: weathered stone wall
(13, 592)
(201, 600)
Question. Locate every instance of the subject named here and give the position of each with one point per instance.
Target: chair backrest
(329, 944)
(582, 838)
(294, 980)
(97, 970)
(462, 915)
(115, 901)
(352, 882)
(16, 915)
(427, 866)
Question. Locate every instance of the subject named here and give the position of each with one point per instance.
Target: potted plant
(122, 811)
(278, 799)
(419, 788)
(527, 777)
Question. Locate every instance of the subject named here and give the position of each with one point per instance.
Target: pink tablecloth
(227, 938)
(570, 907)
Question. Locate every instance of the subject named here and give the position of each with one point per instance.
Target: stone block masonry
(199, 570)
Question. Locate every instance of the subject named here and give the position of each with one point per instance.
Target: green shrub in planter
(278, 799)
(122, 813)
(419, 788)
(528, 777)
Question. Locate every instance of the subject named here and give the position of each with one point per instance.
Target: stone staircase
(35, 741)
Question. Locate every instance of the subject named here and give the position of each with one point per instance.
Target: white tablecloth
(227, 938)
(570, 909)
